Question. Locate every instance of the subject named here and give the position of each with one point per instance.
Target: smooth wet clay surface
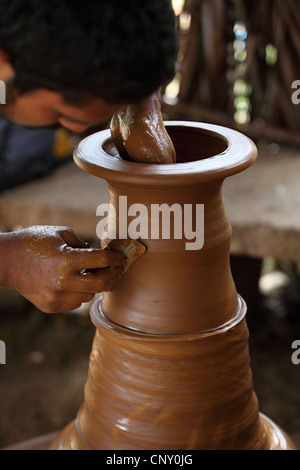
(170, 367)
(171, 393)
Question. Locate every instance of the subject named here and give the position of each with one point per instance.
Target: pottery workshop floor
(41, 385)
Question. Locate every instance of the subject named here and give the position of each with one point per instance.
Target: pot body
(174, 288)
(169, 367)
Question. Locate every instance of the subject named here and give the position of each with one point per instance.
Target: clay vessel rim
(99, 319)
(240, 153)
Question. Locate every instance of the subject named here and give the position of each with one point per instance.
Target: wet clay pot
(169, 367)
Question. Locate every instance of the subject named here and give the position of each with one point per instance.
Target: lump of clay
(139, 133)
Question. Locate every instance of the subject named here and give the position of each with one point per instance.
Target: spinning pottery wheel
(169, 367)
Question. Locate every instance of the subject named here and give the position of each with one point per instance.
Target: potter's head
(77, 63)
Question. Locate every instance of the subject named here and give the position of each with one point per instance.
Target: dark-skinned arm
(54, 269)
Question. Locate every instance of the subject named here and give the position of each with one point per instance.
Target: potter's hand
(54, 269)
(139, 133)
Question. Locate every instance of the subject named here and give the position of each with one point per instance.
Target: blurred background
(237, 62)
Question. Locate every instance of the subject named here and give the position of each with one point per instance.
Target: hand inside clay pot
(139, 133)
(54, 269)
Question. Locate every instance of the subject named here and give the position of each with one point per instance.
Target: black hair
(117, 50)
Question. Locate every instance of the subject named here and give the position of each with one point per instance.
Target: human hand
(139, 133)
(54, 269)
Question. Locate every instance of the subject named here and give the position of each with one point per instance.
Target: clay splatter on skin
(139, 133)
(57, 271)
